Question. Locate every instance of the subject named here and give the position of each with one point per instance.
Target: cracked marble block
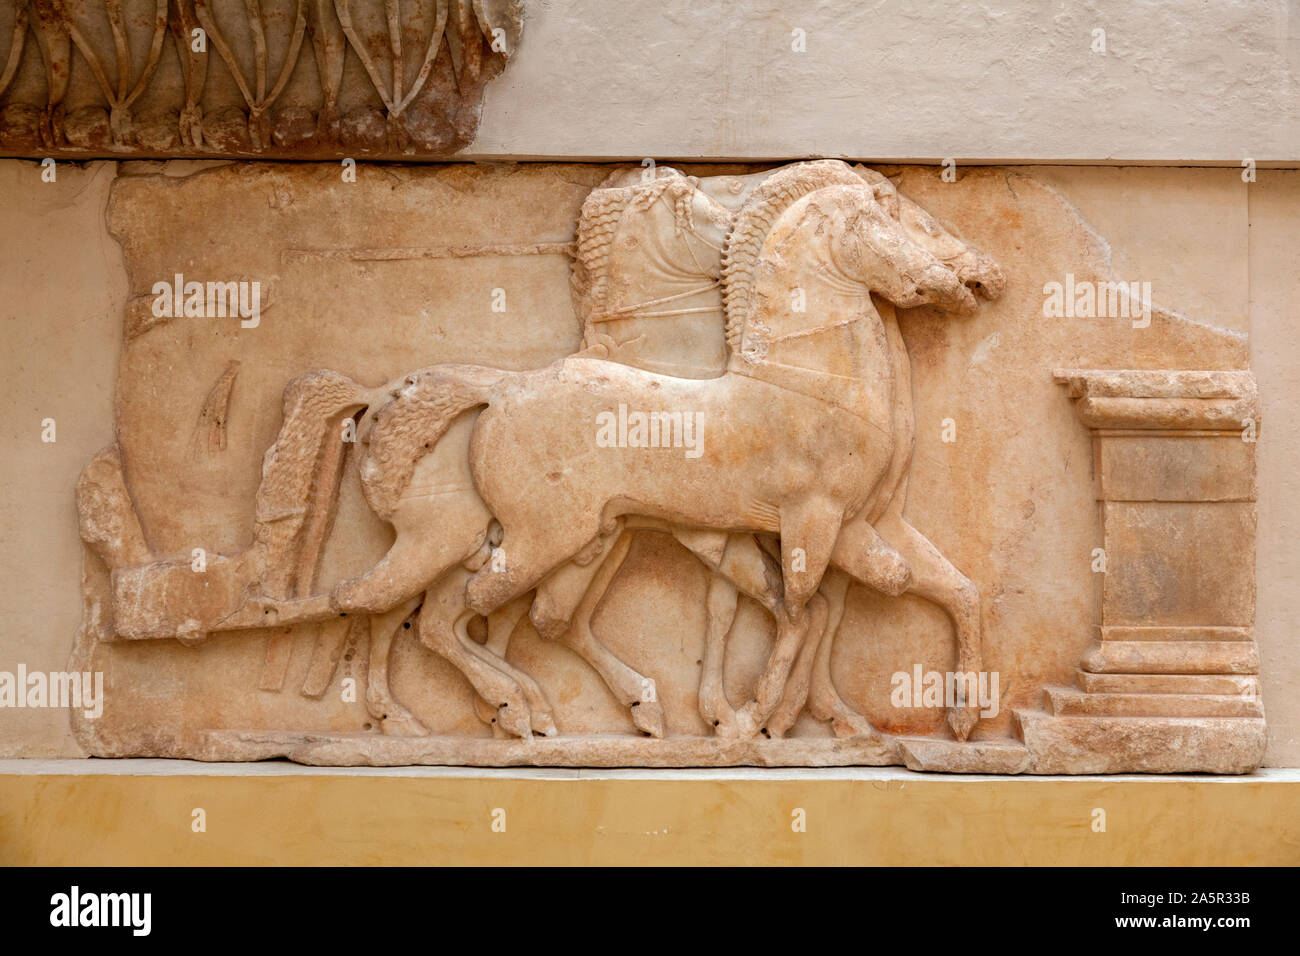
(1172, 684)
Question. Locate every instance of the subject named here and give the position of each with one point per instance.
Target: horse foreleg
(738, 564)
(863, 554)
(394, 719)
(796, 688)
(935, 579)
(808, 533)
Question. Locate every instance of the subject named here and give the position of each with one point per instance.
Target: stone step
(1067, 701)
(1173, 657)
(1228, 684)
(1070, 745)
(1125, 632)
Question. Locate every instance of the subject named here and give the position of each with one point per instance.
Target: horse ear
(884, 193)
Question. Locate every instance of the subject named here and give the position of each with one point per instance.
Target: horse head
(815, 238)
(976, 270)
(647, 272)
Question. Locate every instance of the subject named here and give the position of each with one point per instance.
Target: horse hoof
(544, 724)
(346, 597)
(853, 725)
(724, 725)
(402, 725)
(962, 720)
(515, 721)
(776, 731)
(648, 717)
(748, 722)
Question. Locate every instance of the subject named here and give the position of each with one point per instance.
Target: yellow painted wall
(417, 818)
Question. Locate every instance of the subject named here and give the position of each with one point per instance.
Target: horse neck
(904, 419)
(661, 287)
(836, 349)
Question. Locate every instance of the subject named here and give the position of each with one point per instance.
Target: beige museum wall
(1213, 248)
(62, 292)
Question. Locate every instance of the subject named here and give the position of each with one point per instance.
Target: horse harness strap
(813, 383)
(817, 330)
(634, 311)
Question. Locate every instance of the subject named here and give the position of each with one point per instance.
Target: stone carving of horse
(653, 307)
(806, 231)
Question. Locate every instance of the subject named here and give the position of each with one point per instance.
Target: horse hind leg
(394, 719)
(401, 575)
(714, 706)
(456, 618)
(558, 596)
(539, 707)
(442, 628)
(562, 608)
(500, 626)
(527, 554)
(639, 694)
(439, 521)
(824, 701)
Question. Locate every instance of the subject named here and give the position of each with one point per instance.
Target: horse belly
(575, 442)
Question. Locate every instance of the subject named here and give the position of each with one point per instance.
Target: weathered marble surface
(409, 281)
(286, 78)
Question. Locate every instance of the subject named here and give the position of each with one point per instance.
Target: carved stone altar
(609, 466)
(1174, 673)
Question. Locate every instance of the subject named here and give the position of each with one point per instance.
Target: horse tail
(408, 427)
(300, 470)
(314, 404)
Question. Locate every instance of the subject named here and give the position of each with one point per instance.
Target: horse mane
(598, 224)
(754, 221)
